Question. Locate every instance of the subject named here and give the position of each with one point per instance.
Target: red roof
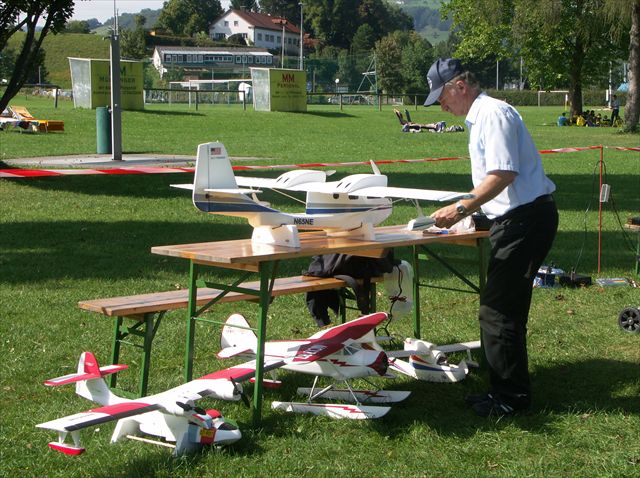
(264, 21)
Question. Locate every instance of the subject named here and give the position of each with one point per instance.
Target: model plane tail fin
(88, 379)
(213, 168)
(237, 338)
(88, 369)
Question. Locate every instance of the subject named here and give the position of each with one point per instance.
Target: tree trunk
(632, 107)
(575, 78)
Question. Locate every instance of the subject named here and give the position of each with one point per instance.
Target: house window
(238, 59)
(174, 58)
(259, 36)
(269, 59)
(278, 39)
(167, 57)
(226, 24)
(200, 59)
(188, 58)
(235, 23)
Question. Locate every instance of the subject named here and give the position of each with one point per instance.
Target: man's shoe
(495, 407)
(477, 398)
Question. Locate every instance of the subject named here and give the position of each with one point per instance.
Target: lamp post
(283, 22)
(301, 34)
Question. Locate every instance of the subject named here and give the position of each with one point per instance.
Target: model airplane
(429, 362)
(349, 207)
(170, 415)
(340, 353)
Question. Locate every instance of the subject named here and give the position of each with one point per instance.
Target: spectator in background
(562, 120)
(615, 107)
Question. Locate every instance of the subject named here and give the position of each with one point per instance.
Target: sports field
(66, 239)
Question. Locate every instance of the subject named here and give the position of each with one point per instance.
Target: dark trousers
(520, 241)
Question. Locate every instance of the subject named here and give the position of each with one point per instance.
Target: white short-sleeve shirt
(499, 141)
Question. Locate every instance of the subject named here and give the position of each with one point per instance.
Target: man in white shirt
(511, 188)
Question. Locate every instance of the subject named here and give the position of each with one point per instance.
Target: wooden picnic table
(252, 258)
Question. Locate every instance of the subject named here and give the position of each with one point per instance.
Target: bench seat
(147, 311)
(135, 306)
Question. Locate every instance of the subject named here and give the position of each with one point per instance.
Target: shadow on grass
(168, 113)
(576, 389)
(329, 114)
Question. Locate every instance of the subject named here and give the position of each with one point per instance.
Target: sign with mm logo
(276, 89)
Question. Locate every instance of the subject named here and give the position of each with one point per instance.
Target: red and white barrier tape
(31, 173)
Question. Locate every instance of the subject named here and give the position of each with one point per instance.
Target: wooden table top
(243, 251)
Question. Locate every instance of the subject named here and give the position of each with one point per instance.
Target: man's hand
(447, 216)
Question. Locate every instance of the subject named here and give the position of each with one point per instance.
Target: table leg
(115, 350)
(191, 321)
(266, 270)
(416, 292)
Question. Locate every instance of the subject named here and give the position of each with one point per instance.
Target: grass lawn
(66, 239)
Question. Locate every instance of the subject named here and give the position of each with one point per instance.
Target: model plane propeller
(170, 415)
(340, 353)
(348, 207)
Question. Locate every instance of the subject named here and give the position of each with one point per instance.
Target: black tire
(629, 320)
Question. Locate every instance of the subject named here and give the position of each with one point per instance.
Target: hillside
(426, 19)
(59, 47)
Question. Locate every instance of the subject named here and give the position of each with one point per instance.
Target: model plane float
(349, 207)
(170, 415)
(343, 353)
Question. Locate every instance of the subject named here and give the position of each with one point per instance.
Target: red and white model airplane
(170, 415)
(349, 207)
(342, 353)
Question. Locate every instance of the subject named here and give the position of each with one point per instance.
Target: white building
(196, 60)
(263, 31)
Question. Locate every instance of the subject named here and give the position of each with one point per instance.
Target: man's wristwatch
(461, 209)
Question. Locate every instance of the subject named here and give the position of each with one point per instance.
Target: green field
(66, 239)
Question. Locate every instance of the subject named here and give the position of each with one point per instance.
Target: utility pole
(116, 109)
(301, 34)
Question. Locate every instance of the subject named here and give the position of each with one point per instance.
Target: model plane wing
(330, 341)
(291, 180)
(99, 415)
(411, 193)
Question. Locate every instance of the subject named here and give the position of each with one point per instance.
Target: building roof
(264, 21)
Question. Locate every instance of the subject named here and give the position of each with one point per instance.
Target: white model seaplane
(341, 353)
(170, 415)
(349, 207)
(429, 362)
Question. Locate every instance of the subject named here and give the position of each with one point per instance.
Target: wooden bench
(147, 311)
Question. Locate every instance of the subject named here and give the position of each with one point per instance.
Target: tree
(132, 42)
(188, 17)
(289, 9)
(623, 14)
(562, 42)
(364, 39)
(16, 15)
(77, 26)
(388, 57)
(246, 5)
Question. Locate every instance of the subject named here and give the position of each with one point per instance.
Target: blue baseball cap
(441, 71)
